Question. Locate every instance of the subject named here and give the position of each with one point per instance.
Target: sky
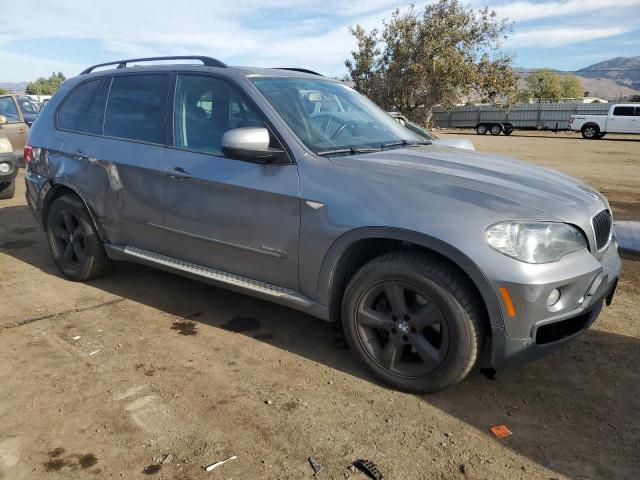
(38, 37)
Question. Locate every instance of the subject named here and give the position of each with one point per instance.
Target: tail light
(27, 154)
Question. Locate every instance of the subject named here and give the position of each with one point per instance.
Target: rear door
(15, 129)
(622, 119)
(231, 215)
(114, 135)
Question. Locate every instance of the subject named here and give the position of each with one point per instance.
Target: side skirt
(231, 281)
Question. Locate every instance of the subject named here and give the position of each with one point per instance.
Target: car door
(16, 130)
(621, 121)
(236, 216)
(113, 136)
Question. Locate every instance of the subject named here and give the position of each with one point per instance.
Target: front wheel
(73, 240)
(413, 321)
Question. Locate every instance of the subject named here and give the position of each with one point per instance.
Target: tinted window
(637, 111)
(623, 111)
(8, 109)
(75, 105)
(94, 118)
(205, 108)
(136, 108)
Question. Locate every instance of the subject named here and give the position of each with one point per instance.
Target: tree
(547, 85)
(544, 84)
(3, 91)
(45, 86)
(436, 56)
(571, 87)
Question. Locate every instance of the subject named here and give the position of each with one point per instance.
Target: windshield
(29, 106)
(329, 116)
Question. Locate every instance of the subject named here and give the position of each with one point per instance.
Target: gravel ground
(145, 374)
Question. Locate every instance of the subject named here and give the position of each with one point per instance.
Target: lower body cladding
(550, 320)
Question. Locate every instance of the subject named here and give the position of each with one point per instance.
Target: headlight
(5, 167)
(538, 242)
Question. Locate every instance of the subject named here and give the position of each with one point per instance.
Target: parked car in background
(16, 124)
(8, 169)
(294, 188)
(621, 118)
(30, 108)
(463, 143)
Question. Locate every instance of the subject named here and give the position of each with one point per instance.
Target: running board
(239, 283)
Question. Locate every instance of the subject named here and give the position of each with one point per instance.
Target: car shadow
(575, 412)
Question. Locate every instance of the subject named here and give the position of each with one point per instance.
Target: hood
(516, 190)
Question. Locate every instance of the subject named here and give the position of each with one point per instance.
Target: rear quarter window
(136, 108)
(74, 107)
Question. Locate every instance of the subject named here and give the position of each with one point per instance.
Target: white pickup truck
(621, 118)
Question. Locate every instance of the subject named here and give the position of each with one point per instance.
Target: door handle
(177, 172)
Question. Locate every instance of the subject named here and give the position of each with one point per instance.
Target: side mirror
(249, 143)
(3, 119)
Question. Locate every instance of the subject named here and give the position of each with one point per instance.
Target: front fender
(327, 280)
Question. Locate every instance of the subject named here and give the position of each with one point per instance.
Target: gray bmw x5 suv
(294, 188)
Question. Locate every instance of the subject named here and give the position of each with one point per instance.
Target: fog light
(5, 167)
(553, 298)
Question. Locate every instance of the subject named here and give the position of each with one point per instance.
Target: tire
(422, 340)
(481, 129)
(496, 129)
(74, 242)
(601, 135)
(590, 132)
(7, 191)
(508, 131)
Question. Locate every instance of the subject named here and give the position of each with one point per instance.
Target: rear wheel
(413, 321)
(7, 190)
(496, 129)
(73, 240)
(590, 132)
(481, 129)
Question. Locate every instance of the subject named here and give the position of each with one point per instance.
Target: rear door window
(9, 110)
(136, 108)
(623, 111)
(74, 107)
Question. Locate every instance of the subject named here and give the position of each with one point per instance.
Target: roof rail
(302, 70)
(207, 61)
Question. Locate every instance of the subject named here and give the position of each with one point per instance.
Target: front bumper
(541, 330)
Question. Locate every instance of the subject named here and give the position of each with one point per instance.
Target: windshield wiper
(350, 150)
(406, 143)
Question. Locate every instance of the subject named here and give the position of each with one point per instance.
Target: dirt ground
(145, 374)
